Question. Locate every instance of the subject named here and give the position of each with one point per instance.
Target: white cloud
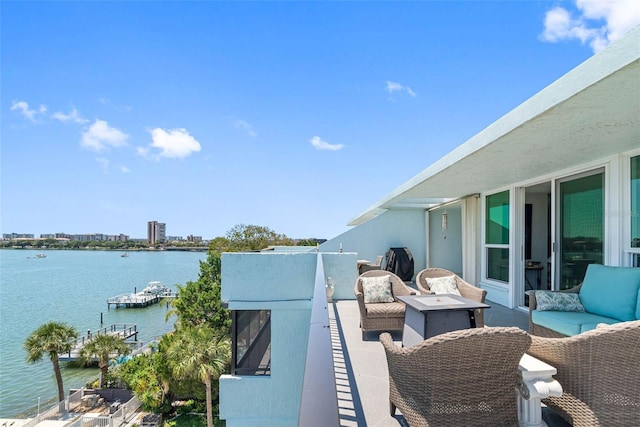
(397, 87)
(73, 116)
(23, 108)
(173, 144)
(319, 144)
(247, 127)
(125, 169)
(100, 136)
(598, 22)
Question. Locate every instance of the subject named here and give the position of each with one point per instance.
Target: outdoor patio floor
(361, 366)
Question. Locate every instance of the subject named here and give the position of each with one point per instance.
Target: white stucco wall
(445, 247)
(342, 268)
(282, 282)
(392, 229)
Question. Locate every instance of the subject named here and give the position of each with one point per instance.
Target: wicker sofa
(460, 378)
(382, 316)
(466, 289)
(607, 295)
(599, 374)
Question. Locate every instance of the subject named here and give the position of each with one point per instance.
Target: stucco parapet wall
(270, 305)
(267, 276)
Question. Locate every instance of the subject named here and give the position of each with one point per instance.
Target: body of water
(73, 287)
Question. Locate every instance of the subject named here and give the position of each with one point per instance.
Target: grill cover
(400, 262)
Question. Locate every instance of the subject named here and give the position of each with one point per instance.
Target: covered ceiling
(589, 114)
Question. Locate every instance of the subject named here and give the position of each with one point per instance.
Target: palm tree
(201, 353)
(102, 347)
(52, 338)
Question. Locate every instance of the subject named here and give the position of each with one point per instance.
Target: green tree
(201, 353)
(103, 347)
(53, 339)
(141, 375)
(200, 302)
(219, 244)
(254, 237)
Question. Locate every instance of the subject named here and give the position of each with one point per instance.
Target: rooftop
(361, 367)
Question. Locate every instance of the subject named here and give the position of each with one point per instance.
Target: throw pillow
(558, 301)
(443, 285)
(376, 289)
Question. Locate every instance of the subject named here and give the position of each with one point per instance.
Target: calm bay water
(73, 287)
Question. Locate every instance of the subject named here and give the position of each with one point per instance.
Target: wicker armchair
(387, 316)
(460, 378)
(598, 370)
(466, 289)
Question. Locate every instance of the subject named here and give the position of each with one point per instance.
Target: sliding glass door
(581, 226)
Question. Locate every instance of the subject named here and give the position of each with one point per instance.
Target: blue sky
(292, 115)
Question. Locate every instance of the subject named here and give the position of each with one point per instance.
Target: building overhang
(590, 113)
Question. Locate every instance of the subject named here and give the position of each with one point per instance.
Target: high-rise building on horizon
(156, 232)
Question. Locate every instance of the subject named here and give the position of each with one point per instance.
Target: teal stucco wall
(283, 282)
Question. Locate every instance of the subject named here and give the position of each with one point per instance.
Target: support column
(536, 382)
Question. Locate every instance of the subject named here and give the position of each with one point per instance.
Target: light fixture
(445, 223)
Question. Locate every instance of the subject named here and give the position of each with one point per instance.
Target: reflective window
(497, 236)
(251, 340)
(581, 226)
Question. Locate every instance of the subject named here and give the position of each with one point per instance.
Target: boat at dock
(153, 293)
(156, 288)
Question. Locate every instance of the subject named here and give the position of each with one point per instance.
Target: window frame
(255, 342)
(487, 247)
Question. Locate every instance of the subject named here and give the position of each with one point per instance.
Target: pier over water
(129, 333)
(150, 295)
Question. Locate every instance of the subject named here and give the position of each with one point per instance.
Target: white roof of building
(588, 114)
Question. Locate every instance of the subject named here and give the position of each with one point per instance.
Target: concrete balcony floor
(361, 366)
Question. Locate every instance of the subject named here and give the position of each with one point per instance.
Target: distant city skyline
(296, 116)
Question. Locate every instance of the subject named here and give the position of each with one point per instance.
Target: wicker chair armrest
(423, 290)
(545, 348)
(387, 341)
(467, 290)
(361, 306)
(574, 290)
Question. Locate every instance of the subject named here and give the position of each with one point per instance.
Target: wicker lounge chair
(466, 289)
(598, 370)
(461, 378)
(387, 316)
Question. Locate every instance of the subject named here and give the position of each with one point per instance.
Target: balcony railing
(319, 403)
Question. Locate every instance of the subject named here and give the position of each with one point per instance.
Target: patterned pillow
(376, 289)
(443, 285)
(558, 301)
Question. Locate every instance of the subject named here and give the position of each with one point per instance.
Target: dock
(137, 300)
(128, 332)
(152, 294)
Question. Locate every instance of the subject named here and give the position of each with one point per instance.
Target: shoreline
(165, 249)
